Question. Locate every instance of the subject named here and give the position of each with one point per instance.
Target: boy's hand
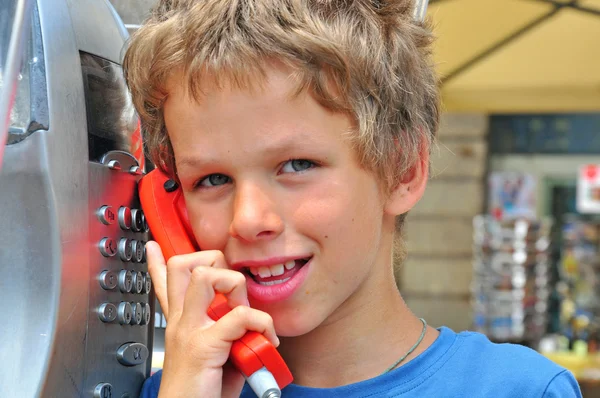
(196, 347)
(157, 267)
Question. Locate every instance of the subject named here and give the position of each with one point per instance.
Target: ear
(411, 187)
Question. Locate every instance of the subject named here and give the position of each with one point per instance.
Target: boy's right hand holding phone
(196, 347)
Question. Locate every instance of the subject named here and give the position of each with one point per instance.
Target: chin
(292, 324)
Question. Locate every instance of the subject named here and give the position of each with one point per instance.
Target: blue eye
(297, 165)
(214, 180)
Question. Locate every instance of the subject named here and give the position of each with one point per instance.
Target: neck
(365, 336)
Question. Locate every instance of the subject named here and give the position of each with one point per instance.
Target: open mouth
(276, 274)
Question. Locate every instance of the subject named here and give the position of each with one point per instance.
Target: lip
(279, 292)
(240, 265)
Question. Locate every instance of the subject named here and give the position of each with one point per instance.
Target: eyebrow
(192, 162)
(285, 144)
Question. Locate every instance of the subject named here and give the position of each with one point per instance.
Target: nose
(255, 215)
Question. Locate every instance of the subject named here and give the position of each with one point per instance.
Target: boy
(299, 132)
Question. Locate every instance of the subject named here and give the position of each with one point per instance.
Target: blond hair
(367, 58)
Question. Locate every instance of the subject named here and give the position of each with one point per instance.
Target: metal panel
(53, 343)
(94, 31)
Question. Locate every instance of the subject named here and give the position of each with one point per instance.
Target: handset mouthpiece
(272, 394)
(263, 384)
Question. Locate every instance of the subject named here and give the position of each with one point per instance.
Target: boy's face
(272, 183)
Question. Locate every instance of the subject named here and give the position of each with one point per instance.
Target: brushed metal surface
(53, 342)
(15, 22)
(115, 188)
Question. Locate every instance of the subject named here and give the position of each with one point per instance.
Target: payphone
(76, 298)
(78, 304)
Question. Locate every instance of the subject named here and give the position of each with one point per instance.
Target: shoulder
(563, 385)
(504, 355)
(517, 366)
(151, 386)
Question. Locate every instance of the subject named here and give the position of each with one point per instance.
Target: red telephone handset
(164, 207)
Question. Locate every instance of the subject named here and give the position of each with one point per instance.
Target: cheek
(210, 226)
(334, 211)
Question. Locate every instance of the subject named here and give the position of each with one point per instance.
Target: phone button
(147, 283)
(146, 314)
(131, 354)
(107, 247)
(103, 390)
(124, 313)
(107, 312)
(136, 309)
(124, 217)
(137, 220)
(106, 215)
(125, 281)
(146, 227)
(138, 250)
(125, 249)
(138, 282)
(108, 280)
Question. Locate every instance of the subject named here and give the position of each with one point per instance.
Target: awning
(525, 56)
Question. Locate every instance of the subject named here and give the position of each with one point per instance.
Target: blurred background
(506, 240)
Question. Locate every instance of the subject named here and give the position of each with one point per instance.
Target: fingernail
(150, 246)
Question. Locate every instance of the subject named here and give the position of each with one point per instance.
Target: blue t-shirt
(462, 364)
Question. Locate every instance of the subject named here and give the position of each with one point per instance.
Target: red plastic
(167, 218)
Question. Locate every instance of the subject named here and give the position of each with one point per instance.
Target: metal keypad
(125, 306)
(120, 294)
(130, 251)
(126, 251)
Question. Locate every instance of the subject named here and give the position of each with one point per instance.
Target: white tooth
(271, 283)
(254, 271)
(277, 270)
(264, 272)
(290, 264)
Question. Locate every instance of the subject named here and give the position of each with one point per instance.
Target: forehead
(225, 95)
(203, 84)
(266, 117)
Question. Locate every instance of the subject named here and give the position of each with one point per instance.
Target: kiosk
(78, 306)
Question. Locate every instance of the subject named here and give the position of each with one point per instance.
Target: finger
(238, 321)
(200, 293)
(179, 272)
(157, 267)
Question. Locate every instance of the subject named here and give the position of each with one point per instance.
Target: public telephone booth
(78, 305)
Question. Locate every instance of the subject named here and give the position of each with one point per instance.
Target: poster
(588, 189)
(512, 195)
